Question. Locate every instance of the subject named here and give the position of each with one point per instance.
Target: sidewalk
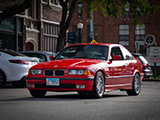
(151, 80)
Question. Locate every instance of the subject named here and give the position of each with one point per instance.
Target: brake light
(19, 62)
(144, 66)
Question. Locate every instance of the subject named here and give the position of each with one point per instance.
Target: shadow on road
(61, 97)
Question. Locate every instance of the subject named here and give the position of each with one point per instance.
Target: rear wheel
(136, 85)
(2, 79)
(38, 93)
(99, 84)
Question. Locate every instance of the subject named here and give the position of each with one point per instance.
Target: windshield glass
(84, 51)
(143, 60)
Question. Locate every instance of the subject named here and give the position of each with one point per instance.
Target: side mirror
(116, 57)
(51, 57)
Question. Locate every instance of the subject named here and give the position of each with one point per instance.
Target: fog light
(80, 86)
(31, 85)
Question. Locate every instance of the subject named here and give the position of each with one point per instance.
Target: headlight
(76, 72)
(35, 72)
(79, 72)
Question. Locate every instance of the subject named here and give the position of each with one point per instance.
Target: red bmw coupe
(89, 69)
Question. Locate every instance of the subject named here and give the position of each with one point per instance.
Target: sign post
(155, 58)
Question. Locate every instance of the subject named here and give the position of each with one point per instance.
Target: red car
(89, 69)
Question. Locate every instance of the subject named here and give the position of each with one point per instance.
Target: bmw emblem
(55, 66)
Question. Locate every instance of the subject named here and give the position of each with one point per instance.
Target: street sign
(93, 41)
(154, 51)
(71, 37)
(150, 39)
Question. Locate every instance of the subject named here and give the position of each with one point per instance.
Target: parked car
(42, 55)
(14, 67)
(89, 69)
(145, 64)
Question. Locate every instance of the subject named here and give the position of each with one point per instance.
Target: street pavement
(17, 104)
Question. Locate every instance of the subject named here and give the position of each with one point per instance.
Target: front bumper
(66, 84)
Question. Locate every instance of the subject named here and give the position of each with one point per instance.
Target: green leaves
(137, 8)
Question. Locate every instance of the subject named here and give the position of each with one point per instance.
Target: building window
(88, 12)
(139, 32)
(124, 35)
(126, 10)
(80, 10)
(8, 34)
(56, 2)
(50, 37)
(33, 11)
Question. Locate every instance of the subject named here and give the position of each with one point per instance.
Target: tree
(114, 8)
(106, 7)
(14, 7)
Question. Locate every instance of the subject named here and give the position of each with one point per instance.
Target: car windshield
(84, 51)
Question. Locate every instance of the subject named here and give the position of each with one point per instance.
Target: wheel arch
(3, 74)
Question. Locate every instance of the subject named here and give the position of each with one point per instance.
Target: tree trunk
(65, 22)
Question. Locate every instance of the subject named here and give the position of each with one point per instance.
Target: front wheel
(38, 93)
(136, 86)
(99, 84)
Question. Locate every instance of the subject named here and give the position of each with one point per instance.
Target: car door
(118, 69)
(129, 64)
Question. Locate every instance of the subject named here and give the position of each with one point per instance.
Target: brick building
(34, 29)
(112, 30)
(121, 31)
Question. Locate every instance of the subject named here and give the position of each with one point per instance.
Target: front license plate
(52, 82)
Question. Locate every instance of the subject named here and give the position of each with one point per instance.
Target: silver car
(14, 67)
(42, 55)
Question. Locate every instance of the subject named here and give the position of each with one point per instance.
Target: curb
(152, 80)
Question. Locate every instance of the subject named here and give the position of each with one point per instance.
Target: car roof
(40, 52)
(106, 44)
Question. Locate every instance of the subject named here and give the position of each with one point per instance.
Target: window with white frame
(80, 6)
(124, 35)
(140, 32)
(50, 36)
(126, 10)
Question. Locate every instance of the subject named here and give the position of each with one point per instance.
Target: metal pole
(155, 70)
(91, 26)
(16, 33)
(79, 35)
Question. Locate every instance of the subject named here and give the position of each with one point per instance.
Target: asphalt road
(17, 104)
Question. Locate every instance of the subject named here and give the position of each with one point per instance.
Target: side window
(126, 54)
(116, 51)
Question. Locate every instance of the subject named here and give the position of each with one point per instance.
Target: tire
(2, 79)
(38, 93)
(99, 85)
(136, 86)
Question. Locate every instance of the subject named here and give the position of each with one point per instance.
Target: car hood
(68, 63)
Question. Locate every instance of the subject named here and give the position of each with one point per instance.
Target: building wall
(108, 27)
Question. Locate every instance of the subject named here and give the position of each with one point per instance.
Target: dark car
(42, 55)
(146, 65)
